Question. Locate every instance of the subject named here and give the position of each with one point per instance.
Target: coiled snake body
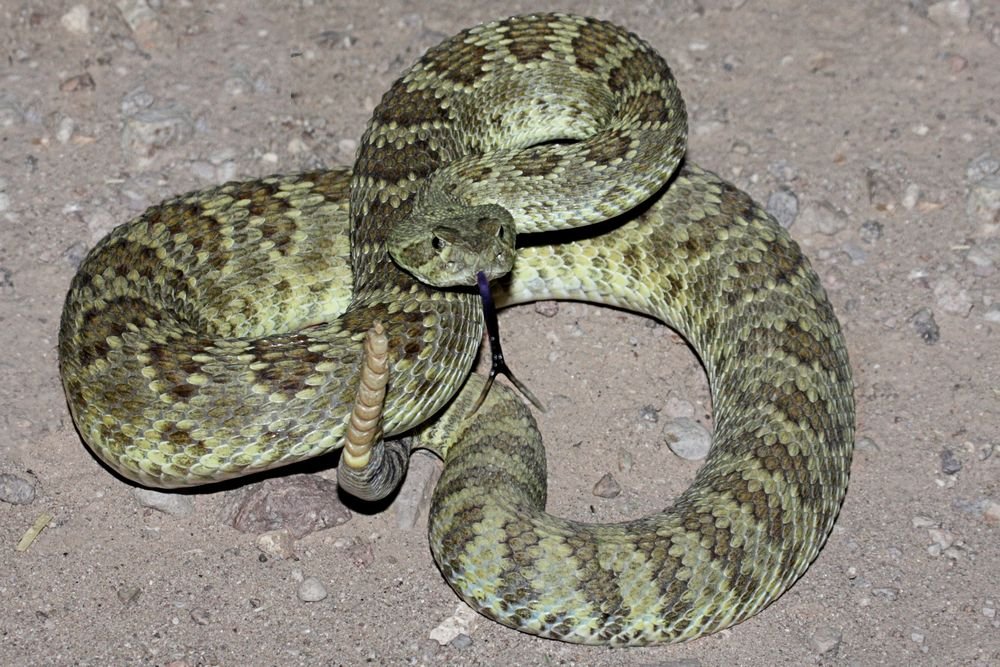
(220, 333)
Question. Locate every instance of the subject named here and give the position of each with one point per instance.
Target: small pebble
(991, 512)
(921, 521)
(463, 621)
(76, 20)
(886, 593)
(201, 616)
(128, 595)
(607, 487)
(783, 205)
(951, 297)
(278, 544)
(949, 462)
(347, 147)
(625, 461)
(982, 166)
(16, 490)
(941, 537)
(823, 217)
(460, 642)
(311, 590)
(826, 640)
(173, 504)
(866, 444)
(648, 413)
(983, 202)
(687, 438)
(925, 326)
(953, 14)
(870, 231)
(547, 308)
(151, 130)
(911, 195)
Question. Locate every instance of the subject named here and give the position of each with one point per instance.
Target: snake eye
(437, 243)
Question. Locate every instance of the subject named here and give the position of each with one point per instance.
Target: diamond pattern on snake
(221, 333)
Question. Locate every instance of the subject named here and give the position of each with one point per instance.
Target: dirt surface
(871, 125)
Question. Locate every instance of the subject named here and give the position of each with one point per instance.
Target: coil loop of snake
(220, 333)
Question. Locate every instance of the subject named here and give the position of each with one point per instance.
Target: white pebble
(911, 195)
(76, 20)
(311, 590)
(173, 504)
(687, 438)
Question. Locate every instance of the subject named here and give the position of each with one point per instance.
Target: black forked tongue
(498, 365)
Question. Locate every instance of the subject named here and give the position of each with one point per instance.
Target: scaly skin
(215, 336)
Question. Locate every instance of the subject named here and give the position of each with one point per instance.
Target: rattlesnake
(217, 335)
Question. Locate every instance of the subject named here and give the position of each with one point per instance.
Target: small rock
(648, 413)
(921, 521)
(414, 497)
(142, 20)
(311, 590)
(782, 170)
(64, 131)
(152, 130)
(347, 148)
(881, 190)
(687, 438)
(783, 205)
(951, 297)
(357, 551)
(823, 217)
(856, 253)
(941, 537)
(77, 83)
(277, 544)
(886, 593)
(607, 487)
(16, 490)
(136, 100)
(866, 444)
(76, 20)
(624, 461)
(301, 504)
(991, 512)
(983, 203)
(201, 616)
(982, 166)
(547, 308)
(949, 462)
(953, 14)
(871, 231)
(983, 259)
(462, 622)
(128, 594)
(911, 195)
(826, 640)
(461, 641)
(173, 504)
(925, 326)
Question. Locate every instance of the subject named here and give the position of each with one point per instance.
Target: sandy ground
(875, 121)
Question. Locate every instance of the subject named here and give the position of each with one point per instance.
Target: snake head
(447, 245)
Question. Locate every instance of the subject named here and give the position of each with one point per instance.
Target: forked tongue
(497, 363)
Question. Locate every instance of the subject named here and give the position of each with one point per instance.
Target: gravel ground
(868, 127)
